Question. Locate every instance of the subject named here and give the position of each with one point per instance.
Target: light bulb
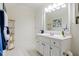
(64, 5)
(49, 7)
(46, 10)
(54, 5)
(58, 7)
(59, 4)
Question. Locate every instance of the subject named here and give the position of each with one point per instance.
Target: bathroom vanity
(55, 45)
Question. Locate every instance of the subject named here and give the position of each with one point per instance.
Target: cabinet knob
(50, 47)
(43, 44)
(54, 42)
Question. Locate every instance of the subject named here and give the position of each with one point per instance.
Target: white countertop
(55, 36)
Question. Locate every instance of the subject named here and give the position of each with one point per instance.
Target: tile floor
(17, 52)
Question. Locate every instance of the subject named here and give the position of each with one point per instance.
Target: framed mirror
(56, 18)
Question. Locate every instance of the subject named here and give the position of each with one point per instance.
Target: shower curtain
(1, 49)
(4, 31)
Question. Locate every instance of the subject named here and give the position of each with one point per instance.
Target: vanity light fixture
(58, 7)
(64, 5)
(50, 7)
(59, 4)
(47, 10)
(54, 7)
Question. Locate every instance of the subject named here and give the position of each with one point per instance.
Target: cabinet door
(40, 47)
(46, 49)
(37, 45)
(55, 51)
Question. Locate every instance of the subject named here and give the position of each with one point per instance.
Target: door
(37, 45)
(41, 47)
(55, 51)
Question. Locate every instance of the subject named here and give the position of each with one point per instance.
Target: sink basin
(54, 36)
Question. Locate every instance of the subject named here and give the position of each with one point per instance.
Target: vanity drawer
(55, 42)
(44, 39)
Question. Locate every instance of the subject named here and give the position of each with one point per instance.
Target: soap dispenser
(62, 33)
(42, 31)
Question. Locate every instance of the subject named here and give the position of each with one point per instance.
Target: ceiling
(32, 5)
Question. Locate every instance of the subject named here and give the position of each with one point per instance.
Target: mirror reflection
(56, 17)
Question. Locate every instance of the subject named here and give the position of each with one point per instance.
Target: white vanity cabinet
(55, 51)
(42, 46)
(51, 46)
(46, 49)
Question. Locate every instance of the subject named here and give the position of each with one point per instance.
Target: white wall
(39, 25)
(24, 17)
(75, 33)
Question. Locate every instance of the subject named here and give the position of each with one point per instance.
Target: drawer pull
(50, 47)
(43, 44)
(54, 42)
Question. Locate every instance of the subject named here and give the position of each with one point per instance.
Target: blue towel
(2, 20)
(1, 49)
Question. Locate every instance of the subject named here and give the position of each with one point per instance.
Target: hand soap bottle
(62, 33)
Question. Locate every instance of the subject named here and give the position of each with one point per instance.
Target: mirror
(56, 18)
